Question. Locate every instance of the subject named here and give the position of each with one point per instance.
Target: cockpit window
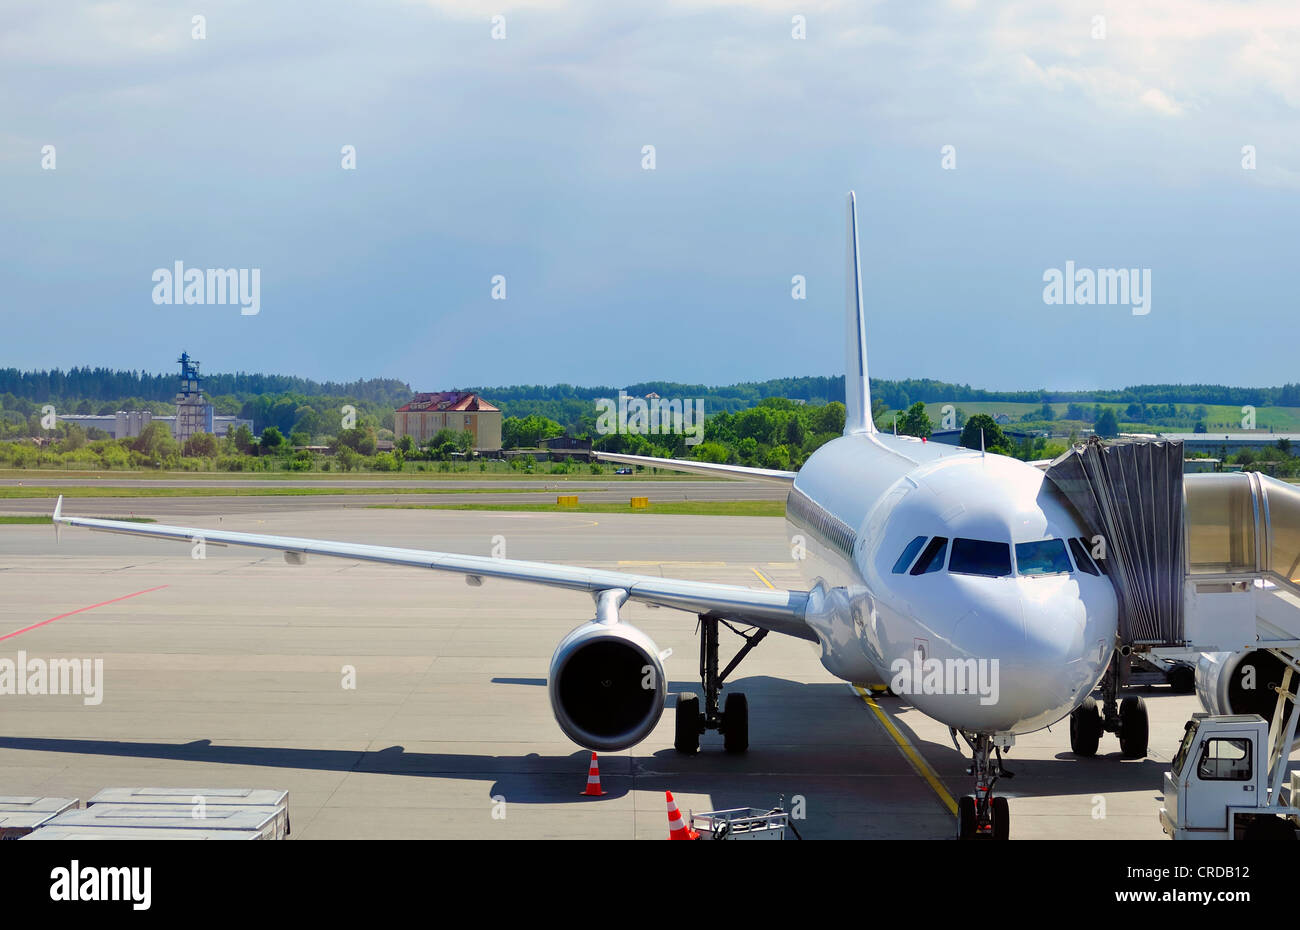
(908, 555)
(1081, 557)
(1043, 557)
(931, 559)
(980, 557)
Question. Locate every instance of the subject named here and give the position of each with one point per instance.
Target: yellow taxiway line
(913, 757)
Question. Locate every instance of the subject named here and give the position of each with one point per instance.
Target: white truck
(1226, 781)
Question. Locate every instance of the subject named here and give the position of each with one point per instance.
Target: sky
(1110, 135)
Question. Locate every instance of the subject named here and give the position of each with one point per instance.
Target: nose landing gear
(982, 815)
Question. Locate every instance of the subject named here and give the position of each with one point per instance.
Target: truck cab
(1218, 786)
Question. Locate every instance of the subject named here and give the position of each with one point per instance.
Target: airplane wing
(700, 468)
(775, 610)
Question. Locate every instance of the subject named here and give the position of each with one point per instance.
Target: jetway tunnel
(1170, 542)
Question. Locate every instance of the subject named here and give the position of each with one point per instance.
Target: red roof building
(425, 414)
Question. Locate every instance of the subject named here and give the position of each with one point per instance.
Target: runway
(440, 492)
(231, 671)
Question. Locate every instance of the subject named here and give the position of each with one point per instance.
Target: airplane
(918, 557)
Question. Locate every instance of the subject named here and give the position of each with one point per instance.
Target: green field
(693, 508)
(34, 520)
(507, 474)
(1219, 416)
(90, 490)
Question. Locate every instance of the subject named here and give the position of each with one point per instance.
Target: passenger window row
(808, 515)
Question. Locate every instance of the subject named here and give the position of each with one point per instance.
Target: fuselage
(963, 576)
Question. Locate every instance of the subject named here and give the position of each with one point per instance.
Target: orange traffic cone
(593, 779)
(677, 829)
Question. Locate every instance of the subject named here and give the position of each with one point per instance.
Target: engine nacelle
(1241, 683)
(607, 685)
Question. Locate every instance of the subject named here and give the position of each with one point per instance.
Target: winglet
(857, 387)
(58, 509)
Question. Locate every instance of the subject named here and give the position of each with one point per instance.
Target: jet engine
(607, 685)
(1240, 682)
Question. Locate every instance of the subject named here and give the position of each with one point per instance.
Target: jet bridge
(1206, 570)
(1130, 496)
(1200, 563)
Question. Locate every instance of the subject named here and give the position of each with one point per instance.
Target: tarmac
(234, 671)
(440, 491)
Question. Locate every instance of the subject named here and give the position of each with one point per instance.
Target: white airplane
(934, 566)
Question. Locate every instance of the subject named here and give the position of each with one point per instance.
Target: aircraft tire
(1182, 679)
(1001, 819)
(1085, 729)
(966, 818)
(1134, 728)
(735, 723)
(686, 738)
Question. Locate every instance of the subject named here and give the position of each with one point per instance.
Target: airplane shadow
(806, 739)
(796, 730)
(1064, 773)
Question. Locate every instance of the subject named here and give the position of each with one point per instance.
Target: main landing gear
(981, 815)
(1127, 719)
(733, 720)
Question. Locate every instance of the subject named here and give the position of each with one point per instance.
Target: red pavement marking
(79, 610)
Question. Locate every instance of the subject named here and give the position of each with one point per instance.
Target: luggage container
(225, 797)
(53, 805)
(14, 825)
(270, 822)
(63, 832)
(212, 797)
(20, 815)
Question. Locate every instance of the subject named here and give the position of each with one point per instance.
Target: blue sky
(522, 157)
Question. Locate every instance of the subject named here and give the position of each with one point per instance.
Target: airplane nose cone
(1030, 646)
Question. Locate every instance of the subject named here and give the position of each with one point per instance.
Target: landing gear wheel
(686, 740)
(1133, 728)
(966, 818)
(1182, 679)
(735, 723)
(1085, 729)
(1001, 819)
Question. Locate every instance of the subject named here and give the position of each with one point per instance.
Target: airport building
(193, 413)
(426, 414)
(1213, 443)
(127, 424)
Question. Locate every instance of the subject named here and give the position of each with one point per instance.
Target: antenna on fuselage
(981, 440)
